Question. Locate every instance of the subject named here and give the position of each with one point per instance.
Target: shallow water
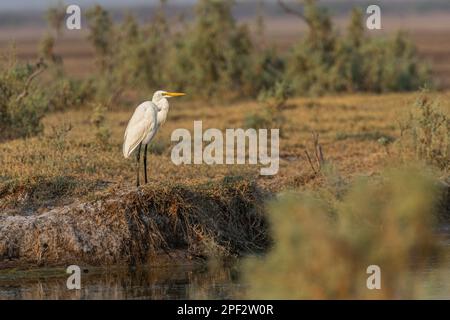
(180, 282)
(439, 285)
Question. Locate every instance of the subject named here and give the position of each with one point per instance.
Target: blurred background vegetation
(212, 56)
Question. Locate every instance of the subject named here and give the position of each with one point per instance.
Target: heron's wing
(140, 125)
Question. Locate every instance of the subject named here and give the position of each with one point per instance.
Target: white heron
(143, 125)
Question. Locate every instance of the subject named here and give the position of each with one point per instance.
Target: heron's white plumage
(145, 122)
(141, 128)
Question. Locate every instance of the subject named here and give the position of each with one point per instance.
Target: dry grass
(136, 227)
(90, 209)
(67, 162)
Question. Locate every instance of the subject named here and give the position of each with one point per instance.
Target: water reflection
(175, 282)
(181, 282)
(437, 285)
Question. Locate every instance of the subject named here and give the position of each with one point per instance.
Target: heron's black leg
(145, 163)
(138, 158)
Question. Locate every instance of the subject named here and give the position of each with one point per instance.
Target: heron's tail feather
(128, 149)
(126, 154)
(125, 147)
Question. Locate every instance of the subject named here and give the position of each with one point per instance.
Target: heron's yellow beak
(174, 94)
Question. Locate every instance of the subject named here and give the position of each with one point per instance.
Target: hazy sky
(43, 4)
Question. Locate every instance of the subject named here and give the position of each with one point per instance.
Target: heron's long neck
(163, 106)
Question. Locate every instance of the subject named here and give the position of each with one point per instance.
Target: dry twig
(318, 154)
(40, 67)
(289, 10)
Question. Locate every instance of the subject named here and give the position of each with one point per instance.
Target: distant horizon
(19, 5)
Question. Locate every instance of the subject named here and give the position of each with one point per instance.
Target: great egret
(143, 125)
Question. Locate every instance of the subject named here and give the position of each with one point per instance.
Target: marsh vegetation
(364, 153)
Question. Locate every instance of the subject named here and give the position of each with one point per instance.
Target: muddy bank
(140, 226)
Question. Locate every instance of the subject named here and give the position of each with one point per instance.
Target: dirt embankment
(139, 226)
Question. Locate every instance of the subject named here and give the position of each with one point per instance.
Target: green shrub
(268, 70)
(323, 63)
(46, 51)
(151, 48)
(130, 56)
(67, 93)
(273, 101)
(276, 96)
(314, 56)
(425, 133)
(260, 120)
(22, 104)
(214, 56)
(215, 52)
(55, 16)
(101, 35)
(98, 120)
(392, 65)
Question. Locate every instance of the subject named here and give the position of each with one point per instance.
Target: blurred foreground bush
(322, 248)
